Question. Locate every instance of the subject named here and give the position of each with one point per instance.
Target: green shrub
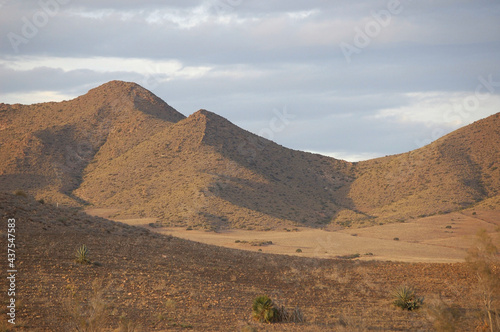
(82, 255)
(264, 310)
(298, 250)
(405, 298)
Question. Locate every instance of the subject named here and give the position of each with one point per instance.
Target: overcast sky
(350, 79)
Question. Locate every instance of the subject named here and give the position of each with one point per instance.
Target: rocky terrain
(150, 282)
(121, 147)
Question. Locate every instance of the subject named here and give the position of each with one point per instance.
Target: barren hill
(204, 171)
(45, 147)
(454, 172)
(120, 147)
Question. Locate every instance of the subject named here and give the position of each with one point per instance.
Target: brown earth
(164, 283)
(121, 147)
(436, 239)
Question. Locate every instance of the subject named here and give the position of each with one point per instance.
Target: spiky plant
(405, 298)
(82, 255)
(263, 309)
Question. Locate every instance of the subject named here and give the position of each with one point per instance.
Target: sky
(350, 79)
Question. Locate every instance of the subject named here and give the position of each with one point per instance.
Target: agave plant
(405, 298)
(263, 309)
(82, 255)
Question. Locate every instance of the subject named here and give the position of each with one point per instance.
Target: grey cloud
(431, 46)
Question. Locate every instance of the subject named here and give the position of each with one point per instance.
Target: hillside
(205, 170)
(46, 147)
(455, 172)
(121, 148)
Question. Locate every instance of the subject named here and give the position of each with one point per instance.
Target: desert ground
(140, 280)
(435, 239)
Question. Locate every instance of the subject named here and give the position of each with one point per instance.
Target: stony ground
(159, 283)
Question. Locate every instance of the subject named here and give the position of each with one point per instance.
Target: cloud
(245, 59)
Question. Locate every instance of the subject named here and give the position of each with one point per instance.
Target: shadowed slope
(45, 147)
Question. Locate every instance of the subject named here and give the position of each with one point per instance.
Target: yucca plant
(405, 298)
(264, 310)
(82, 255)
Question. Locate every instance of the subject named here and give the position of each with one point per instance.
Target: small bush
(405, 298)
(264, 310)
(82, 255)
(127, 325)
(396, 239)
(351, 256)
(298, 250)
(289, 316)
(89, 312)
(21, 193)
(444, 317)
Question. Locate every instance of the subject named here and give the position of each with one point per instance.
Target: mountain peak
(116, 86)
(123, 94)
(204, 114)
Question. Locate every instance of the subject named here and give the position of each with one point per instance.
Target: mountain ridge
(119, 146)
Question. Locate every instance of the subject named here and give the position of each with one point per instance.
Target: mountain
(120, 147)
(206, 169)
(455, 172)
(46, 147)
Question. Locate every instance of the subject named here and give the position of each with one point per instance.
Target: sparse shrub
(82, 255)
(170, 305)
(127, 325)
(396, 239)
(448, 227)
(41, 201)
(351, 256)
(406, 299)
(444, 317)
(298, 250)
(89, 315)
(264, 310)
(289, 316)
(21, 193)
(484, 261)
